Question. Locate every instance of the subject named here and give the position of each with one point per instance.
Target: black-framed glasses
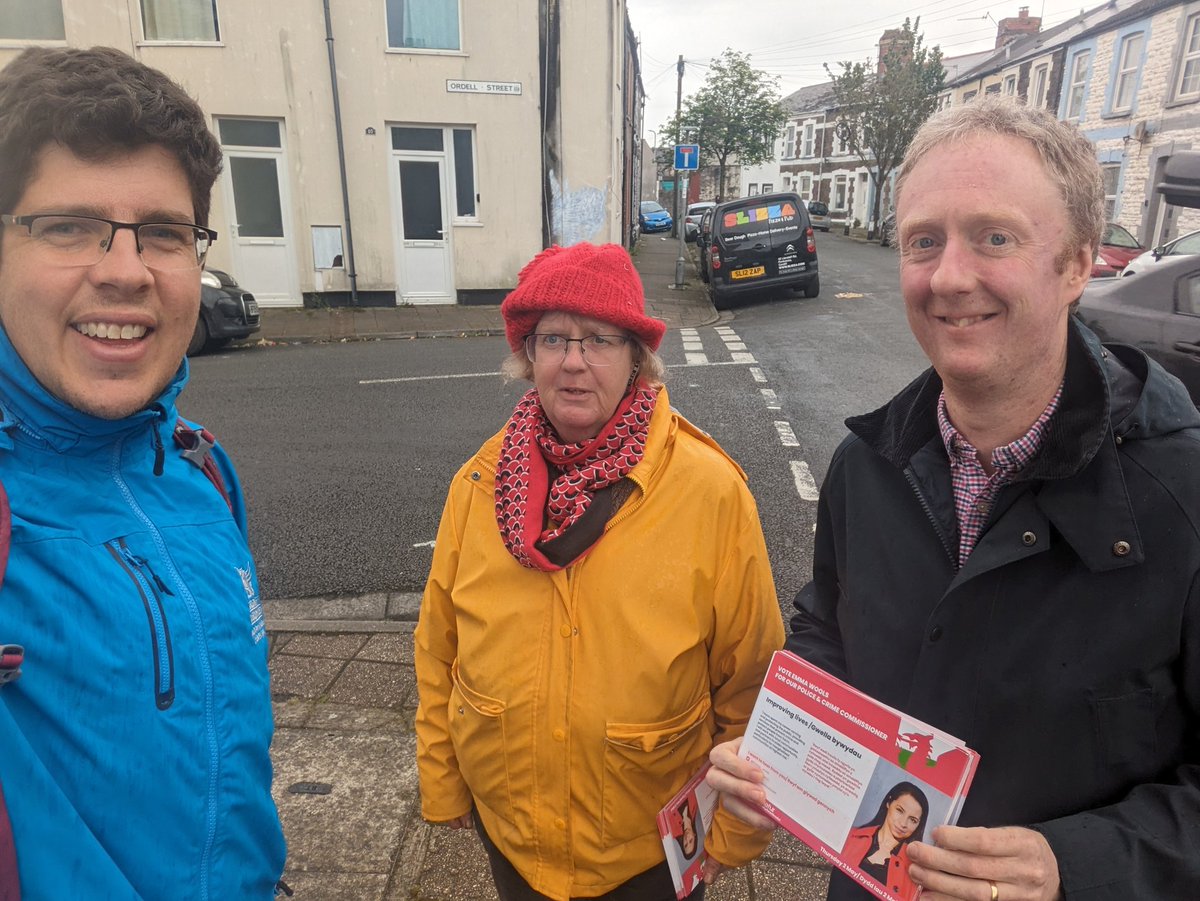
(84, 240)
(597, 350)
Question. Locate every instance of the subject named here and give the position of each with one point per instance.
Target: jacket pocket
(477, 731)
(1126, 733)
(644, 763)
(150, 589)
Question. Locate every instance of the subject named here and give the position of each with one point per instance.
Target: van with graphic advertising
(761, 243)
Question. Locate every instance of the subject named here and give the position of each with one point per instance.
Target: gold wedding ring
(995, 891)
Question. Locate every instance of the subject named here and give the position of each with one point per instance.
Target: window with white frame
(180, 20)
(31, 20)
(1077, 84)
(805, 188)
(809, 130)
(1038, 96)
(839, 192)
(1189, 67)
(843, 145)
(992, 89)
(969, 96)
(461, 142)
(1111, 173)
(752, 189)
(789, 149)
(1010, 85)
(1129, 61)
(767, 187)
(423, 24)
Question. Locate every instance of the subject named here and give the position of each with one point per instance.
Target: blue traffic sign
(687, 156)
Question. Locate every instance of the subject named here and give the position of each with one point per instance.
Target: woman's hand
(964, 863)
(462, 822)
(738, 781)
(712, 870)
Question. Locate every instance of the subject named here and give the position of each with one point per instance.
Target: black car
(1158, 312)
(761, 242)
(226, 312)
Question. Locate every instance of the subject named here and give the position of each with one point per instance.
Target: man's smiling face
(105, 338)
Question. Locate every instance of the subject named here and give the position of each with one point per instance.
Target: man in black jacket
(1010, 548)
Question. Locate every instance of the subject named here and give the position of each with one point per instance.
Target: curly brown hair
(97, 103)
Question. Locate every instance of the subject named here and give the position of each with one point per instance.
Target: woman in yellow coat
(600, 609)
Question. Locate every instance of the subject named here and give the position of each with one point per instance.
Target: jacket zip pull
(156, 438)
(144, 565)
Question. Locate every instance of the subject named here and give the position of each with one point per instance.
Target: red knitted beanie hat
(594, 281)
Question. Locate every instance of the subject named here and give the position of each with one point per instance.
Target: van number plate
(752, 272)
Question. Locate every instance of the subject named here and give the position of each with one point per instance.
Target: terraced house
(389, 151)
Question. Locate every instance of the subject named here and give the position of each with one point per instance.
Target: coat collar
(28, 407)
(1110, 395)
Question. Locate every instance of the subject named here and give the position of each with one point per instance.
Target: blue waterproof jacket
(134, 748)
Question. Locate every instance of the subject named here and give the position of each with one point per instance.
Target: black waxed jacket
(1066, 650)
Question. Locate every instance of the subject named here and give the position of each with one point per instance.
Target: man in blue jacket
(1010, 548)
(134, 747)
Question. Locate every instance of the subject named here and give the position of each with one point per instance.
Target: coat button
(564, 631)
(475, 477)
(461, 712)
(1029, 539)
(1122, 548)
(1120, 440)
(560, 823)
(559, 735)
(935, 633)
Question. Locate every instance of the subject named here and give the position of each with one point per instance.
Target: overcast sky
(793, 38)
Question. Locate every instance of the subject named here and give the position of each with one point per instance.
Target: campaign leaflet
(683, 825)
(852, 778)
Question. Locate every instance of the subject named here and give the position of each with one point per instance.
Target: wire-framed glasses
(597, 350)
(84, 240)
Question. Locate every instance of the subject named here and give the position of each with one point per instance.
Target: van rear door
(765, 236)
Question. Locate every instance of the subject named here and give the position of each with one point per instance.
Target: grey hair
(1068, 156)
(651, 369)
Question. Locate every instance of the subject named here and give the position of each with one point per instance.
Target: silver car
(1181, 246)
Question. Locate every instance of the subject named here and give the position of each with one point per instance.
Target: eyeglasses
(597, 350)
(84, 240)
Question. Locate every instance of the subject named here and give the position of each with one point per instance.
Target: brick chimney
(892, 42)
(1010, 29)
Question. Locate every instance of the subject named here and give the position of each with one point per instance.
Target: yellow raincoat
(570, 706)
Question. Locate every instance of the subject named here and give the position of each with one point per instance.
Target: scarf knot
(538, 475)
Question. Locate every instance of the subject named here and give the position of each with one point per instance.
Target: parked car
(1181, 246)
(226, 312)
(818, 215)
(653, 218)
(703, 241)
(1117, 248)
(1157, 312)
(759, 242)
(691, 220)
(887, 231)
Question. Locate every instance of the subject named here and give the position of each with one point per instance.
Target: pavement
(344, 689)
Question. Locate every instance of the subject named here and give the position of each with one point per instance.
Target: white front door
(424, 258)
(256, 193)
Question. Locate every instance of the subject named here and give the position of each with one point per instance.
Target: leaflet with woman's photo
(852, 778)
(683, 824)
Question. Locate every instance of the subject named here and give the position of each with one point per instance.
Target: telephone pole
(678, 140)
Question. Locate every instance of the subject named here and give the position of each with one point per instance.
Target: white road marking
(786, 436)
(723, 330)
(695, 359)
(769, 396)
(743, 358)
(688, 333)
(735, 345)
(806, 485)
(757, 374)
(429, 378)
(693, 345)
(426, 543)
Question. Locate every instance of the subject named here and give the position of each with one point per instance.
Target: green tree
(881, 107)
(735, 115)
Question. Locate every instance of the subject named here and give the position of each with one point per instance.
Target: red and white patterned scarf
(524, 493)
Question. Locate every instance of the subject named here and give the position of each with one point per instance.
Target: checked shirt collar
(974, 490)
